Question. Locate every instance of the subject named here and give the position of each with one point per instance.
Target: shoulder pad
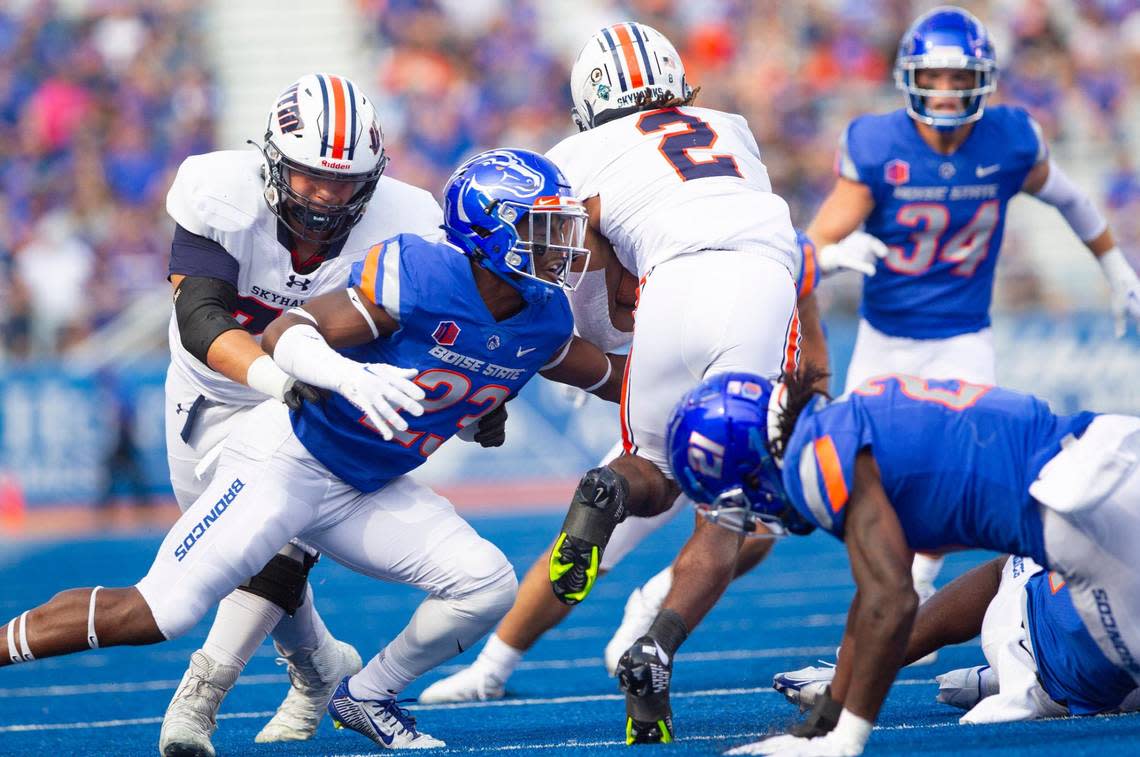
(416, 209)
(217, 192)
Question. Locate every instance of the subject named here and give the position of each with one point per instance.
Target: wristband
(264, 376)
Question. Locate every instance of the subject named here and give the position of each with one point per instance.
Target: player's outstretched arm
(583, 365)
(1048, 183)
(842, 212)
(301, 342)
(954, 614)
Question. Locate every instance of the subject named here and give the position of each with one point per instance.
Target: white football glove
(796, 746)
(857, 252)
(381, 391)
(1125, 289)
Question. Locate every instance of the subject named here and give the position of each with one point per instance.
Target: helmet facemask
(973, 99)
(551, 240)
(308, 218)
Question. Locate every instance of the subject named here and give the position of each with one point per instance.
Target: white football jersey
(219, 196)
(678, 180)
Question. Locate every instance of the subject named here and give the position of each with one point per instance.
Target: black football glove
(493, 428)
(299, 393)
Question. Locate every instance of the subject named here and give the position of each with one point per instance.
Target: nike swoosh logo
(527, 351)
(983, 171)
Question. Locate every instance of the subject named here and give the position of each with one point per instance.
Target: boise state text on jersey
(468, 363)
(956, 460)
(1072, 668)
(941, 216)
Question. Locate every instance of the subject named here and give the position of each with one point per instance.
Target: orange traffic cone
(13, 508)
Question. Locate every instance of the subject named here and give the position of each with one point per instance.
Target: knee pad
(283, 579)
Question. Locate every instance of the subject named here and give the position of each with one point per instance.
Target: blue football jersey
(956, 460)
(468, 362)
(941, 216)
(1071, 666)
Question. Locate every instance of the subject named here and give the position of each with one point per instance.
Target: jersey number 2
(675, 146)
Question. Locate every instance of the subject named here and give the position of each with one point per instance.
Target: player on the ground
(477, 317)
(537, 610)
(256, 233)
(903, 463)
(933, 181)
(1041, 663)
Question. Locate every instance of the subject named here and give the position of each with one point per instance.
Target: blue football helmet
(718, 450)
(946, 37)
(513, 212)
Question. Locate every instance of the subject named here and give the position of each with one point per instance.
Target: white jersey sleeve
(217, 193)
(675, 181)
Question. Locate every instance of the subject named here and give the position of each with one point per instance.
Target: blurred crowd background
(101, 99)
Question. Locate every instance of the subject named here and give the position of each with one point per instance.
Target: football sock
(242, 623)
(926, 568)
(304, 630)
(439, 630)
(498, 658)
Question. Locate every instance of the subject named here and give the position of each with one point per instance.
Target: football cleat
(472, 684)
(596, 509)
(384, 721)
(643, 673)
(191, 717)
(635, 622)
(965, 687)
(804, 686)
(313, 675)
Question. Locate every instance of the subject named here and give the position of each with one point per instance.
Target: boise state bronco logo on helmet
(515, 177)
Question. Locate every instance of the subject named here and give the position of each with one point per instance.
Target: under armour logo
(179, 410)
(293, 281)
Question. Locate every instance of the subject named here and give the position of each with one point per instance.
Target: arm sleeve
(1073, 203)
(194, 255)
(203, 308)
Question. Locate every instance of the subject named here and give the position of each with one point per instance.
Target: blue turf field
(784, 615)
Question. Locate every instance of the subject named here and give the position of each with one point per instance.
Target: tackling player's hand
(858, 251)
(492, 428)
(381, 391)
(298, 393)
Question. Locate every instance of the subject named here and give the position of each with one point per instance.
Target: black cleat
(596, 509)
(643, 673)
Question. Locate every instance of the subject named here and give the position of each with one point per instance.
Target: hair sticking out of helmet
(946, 38)
(324, 154)
(720, 453)
(623, 69)
(513, 212)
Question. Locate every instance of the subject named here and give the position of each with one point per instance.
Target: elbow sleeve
(203, 308)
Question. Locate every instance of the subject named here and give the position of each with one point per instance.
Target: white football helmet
(621, 68)
(323, 127)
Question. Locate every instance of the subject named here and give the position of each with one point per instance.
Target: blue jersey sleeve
(385, 279)
(819, 469)
(806, 266)
(1026, 140)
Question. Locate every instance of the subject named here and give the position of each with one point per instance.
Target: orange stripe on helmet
(631, 62)
(369, 272)
(832, 471)
(340, 109)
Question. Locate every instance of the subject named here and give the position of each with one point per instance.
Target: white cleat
(382, 720)
(472, 684)
(191, 717)
(635, 622)
(314, 676)
(804, 686)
